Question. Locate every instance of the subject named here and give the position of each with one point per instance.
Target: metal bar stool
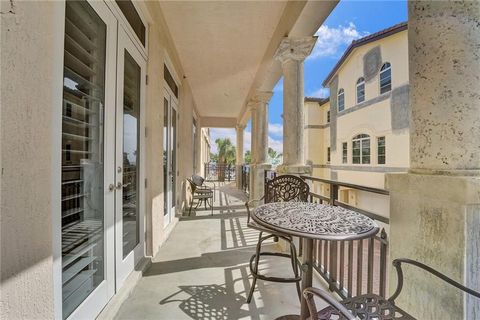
(285, 188)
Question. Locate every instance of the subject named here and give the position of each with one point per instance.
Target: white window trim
(354, 139)
(385, 152)
(356, 90)
(144, 16)
(389, 68)
(338, 99)
(345, 142)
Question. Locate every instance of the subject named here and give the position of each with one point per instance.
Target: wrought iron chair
(371, 306)
(201, 193)
(285, 188)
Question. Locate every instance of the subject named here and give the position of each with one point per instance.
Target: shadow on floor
(206, 260)
(226, 301)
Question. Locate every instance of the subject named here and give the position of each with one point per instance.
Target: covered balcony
(148, 80)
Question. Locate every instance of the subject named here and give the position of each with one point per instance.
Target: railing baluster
(370, 265)
(333, 264)
(342, 264)
(350, 269)
(325, 257)
(383, 263)
(320, 260)
(359, 266)
(300, 247)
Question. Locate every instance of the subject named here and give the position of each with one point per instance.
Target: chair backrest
(197, 180)
(286, 188)
(192, 185)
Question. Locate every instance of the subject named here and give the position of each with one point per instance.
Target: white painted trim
(56, 164)
(124, 266)
(173, 71)
(126, 25)
(97, 299)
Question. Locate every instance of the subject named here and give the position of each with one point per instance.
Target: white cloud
(332, 40)
(320, 93)
(275, 144)
(275, 129)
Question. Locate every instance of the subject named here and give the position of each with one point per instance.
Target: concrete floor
(202, 271)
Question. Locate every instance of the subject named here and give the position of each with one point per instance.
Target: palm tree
(226, 156)
(248, 157)
(274, 156)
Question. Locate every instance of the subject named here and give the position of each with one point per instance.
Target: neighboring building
(362, 131)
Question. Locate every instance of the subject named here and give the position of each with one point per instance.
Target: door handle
(119, 185)
(111, 187)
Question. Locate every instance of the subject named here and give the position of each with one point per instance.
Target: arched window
(341, 100)
(361, 149)
(360, 90)
(385, 78)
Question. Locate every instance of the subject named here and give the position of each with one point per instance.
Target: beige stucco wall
(372, 117)
(316, 134)
(31, 93)
(161, 45)
(394, 49)
(31, 100)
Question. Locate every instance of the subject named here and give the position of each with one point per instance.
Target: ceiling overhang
(226, 48)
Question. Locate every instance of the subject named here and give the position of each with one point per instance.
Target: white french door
(102, 186)
(129, 161)
(169, 154)
(88, 146)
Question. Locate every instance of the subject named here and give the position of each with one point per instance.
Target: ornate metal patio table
(313, 221)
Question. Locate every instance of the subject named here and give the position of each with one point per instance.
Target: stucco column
(198, 151)
(239, 154)
(435, 208)
(291, 53)
(259, 110)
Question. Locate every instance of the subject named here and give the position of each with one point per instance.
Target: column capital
(240, 127)
(295, 48)
(260, 97)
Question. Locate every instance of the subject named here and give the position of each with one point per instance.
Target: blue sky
(349, 20)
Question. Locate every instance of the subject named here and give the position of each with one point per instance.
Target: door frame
(123, 267)
(171, 202)
(97, 299)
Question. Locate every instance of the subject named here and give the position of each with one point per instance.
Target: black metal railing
(246, 178)
(268, 175)
(219, 171)
(351, 267)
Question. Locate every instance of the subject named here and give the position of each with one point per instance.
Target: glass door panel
(169, 155)
(83, 170)
(166, 157)
(131, 141)
(129, 242)
(173, 163)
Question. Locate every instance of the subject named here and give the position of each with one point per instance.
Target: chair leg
(293, 253)
(255, 268)
(190, 210)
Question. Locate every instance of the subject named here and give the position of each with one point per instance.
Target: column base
(257, 180)
(295, 169)
(435, 219)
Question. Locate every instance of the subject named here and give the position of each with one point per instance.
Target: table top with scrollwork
(314, 220)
